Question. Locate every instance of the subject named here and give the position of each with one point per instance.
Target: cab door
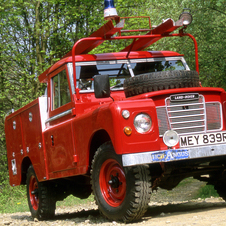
(59, 139)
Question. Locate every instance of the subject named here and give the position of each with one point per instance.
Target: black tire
(122, 194)
(40, 199)
(161, 80)
(221, 189)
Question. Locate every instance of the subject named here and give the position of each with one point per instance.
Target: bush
(12, 199)
(207, 191)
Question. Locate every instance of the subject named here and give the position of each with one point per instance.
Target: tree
(208, 27)
(211, 30)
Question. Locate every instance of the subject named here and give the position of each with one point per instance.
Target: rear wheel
(217, 178)
(220, 187)
(122, 194)
(41, 203)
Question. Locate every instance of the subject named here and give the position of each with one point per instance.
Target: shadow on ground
(94, 217)
(180, 208)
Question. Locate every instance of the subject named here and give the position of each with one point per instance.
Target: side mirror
(101, 86)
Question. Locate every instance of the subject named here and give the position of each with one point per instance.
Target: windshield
(147, 67)
(117, 74)
(120, 70)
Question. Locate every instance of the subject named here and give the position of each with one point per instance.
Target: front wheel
(39, 194)
(122, 194)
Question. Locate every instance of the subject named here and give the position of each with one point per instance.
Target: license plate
(203, 139)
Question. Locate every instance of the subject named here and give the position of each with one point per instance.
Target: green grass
(185, 182)
(73, 201)
(14, 199)
(206, 191)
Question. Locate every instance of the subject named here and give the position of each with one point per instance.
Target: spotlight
(186, 17)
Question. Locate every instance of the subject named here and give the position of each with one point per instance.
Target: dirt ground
(175, 208)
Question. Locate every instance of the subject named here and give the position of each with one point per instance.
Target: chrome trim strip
(70, 72)
(189, 127)
(184, 116)
(186, 122)
(187, 110)
(173, 155)
(181, 105)
(59, 116)
(205, 117)
(43, 110)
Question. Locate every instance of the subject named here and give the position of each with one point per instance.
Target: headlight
(170, 138)
(186, 17)
(142, 123)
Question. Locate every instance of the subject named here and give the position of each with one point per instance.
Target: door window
(60, 89)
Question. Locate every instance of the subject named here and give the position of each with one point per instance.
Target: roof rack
(140, 42)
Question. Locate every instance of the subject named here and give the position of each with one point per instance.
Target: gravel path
(195, 212)
(175, 208)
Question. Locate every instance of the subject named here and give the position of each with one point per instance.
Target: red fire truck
(119, 125)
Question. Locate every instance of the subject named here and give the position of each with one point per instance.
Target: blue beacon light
(110, 12)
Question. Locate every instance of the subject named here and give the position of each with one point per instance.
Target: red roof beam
(165, 28)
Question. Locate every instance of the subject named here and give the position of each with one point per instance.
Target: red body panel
(25, 140)
(60, 146)
(67, 140)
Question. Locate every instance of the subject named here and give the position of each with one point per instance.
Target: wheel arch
(98, 138)
(24, 167)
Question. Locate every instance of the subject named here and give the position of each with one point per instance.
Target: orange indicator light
(128, 131)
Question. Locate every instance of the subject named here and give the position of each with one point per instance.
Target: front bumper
(173, 155)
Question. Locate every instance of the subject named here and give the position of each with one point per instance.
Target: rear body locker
(24, 140)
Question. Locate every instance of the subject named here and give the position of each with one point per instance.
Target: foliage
(207, 191)
(213, 43)
(72, 201)
(208, 27)
(12, 199)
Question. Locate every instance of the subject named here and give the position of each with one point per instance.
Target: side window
(60, 90)
(85, 76)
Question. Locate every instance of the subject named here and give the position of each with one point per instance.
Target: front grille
(162, 120)
(213, 115)
(189, 116)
